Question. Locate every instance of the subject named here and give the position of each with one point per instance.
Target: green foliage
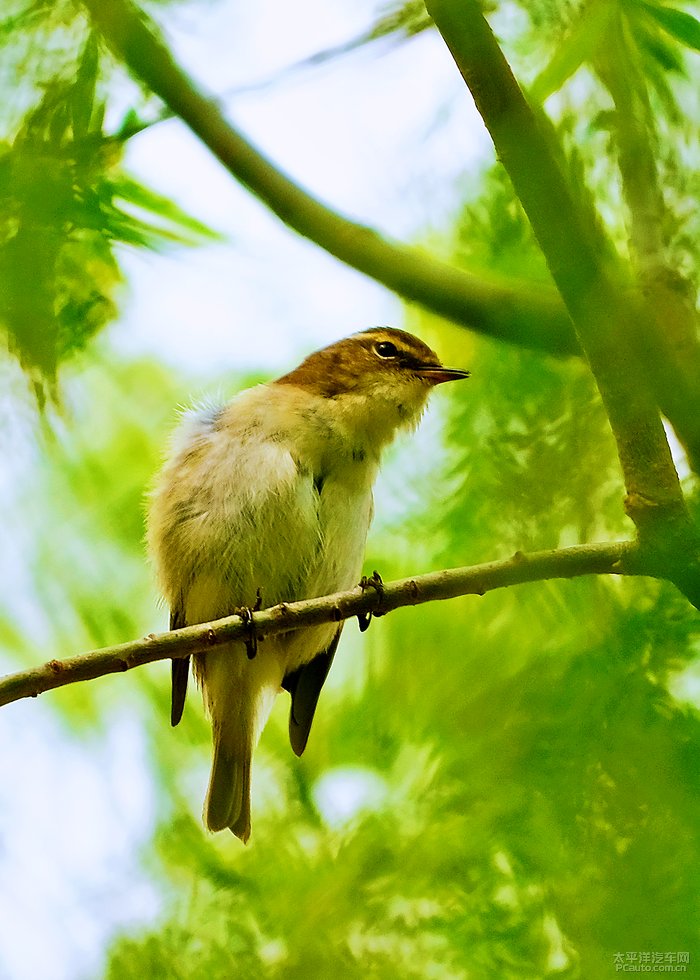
(637, 55)
(81, 527)
(491, 232)
(578, 48)
(65, 205)
(406, 19)
(528, 417)
(678, 24)
(653, 30)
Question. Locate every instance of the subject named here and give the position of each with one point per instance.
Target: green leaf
(407, 19)
(684, 27)
(184, 226)
(664, 52)
(82, 95)
(573, 52)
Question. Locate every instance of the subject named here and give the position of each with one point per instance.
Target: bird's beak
(437, 374)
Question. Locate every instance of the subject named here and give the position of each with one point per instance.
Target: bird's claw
(246, 614)
(251, 641)
(373, 581)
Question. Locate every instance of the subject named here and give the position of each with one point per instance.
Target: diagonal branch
(518, 313)
(616, 558)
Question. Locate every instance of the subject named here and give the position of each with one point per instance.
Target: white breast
(248, 503)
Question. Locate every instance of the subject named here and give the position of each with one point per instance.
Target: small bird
(270, 497)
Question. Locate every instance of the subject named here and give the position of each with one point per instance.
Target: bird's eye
(385, 348)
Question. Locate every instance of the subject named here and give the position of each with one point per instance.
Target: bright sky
(361, 133)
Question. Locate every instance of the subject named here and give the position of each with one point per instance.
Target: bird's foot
(251, 640)
(373, 581)
(246, 614)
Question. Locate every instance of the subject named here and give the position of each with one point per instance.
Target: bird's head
(381, 364)
(382, 373)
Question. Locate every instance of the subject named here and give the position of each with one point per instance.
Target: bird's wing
(180, 672)
(304, 684)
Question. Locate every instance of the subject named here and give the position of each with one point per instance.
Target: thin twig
(616, 558)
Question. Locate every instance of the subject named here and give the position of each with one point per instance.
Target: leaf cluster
(65, 206)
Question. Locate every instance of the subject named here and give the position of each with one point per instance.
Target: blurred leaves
(681, 26)
(79, 535)
(650, 47)
(575, 50)
(64, 207)
(406, 19)
(652, 30)
(547, 420)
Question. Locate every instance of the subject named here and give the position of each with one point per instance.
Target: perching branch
(518, 313)
(617, 558)
(604, 314)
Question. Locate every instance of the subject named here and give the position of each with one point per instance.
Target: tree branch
(518, 313)
(616, 558)
(604, 314)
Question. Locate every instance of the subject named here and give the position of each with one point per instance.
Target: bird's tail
(227, 802)
(239, 694)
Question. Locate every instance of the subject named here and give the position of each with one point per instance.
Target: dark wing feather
(180, 672)
(304, 685)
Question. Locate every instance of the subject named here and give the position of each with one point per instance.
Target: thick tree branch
(604, 314)
(520, 314)
(617, 558)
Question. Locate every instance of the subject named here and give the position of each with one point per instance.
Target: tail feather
(228, 798)
(239, 694)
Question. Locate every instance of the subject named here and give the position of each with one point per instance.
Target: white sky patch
(342, 793)
(678, 452)
(684, 685)
(73, 818)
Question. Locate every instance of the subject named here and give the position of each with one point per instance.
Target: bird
(268, 497)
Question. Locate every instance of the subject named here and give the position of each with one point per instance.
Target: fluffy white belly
(307, 544)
